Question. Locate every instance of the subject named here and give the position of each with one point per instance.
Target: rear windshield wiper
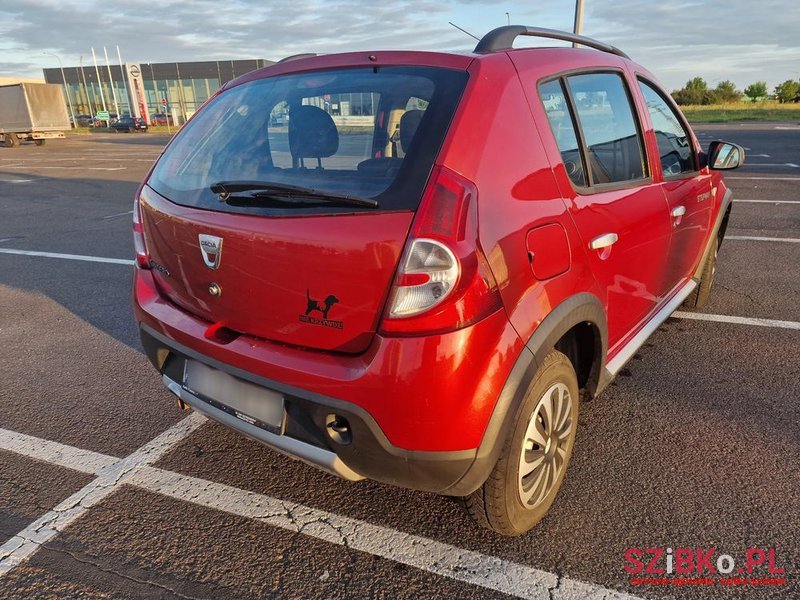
(254, 190)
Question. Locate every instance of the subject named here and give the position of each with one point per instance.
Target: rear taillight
(142, 257)
(443, 282)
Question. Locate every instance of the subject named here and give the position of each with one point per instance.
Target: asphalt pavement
(108, 490)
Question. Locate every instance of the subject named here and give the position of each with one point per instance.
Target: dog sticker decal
(323, 307)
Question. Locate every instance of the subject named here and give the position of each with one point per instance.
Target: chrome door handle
(603, 241)
(678, 211)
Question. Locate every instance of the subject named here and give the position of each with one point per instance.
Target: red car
(160, 119)
(420, 294)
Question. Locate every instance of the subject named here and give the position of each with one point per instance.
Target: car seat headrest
(408, 127)
(312, 133)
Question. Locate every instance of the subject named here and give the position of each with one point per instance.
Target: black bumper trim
(370, 454)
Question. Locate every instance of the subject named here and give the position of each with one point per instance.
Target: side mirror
(723, 156)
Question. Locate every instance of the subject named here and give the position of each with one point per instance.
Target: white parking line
(55, 453)
(110, 476)
(761, 178)
(94, 159)
(767, 201)
(429, 555)
(758, 322)
(791, 165)
(129, 212)
(758, 238)
(73, 167)
(99, 259)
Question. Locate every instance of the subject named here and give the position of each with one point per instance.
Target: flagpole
(100, 84)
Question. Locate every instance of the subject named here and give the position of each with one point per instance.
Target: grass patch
(742, 111)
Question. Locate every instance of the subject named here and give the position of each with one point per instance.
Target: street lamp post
(578, 19)
(66, 88)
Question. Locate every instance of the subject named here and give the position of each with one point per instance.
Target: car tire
(39, 142)
(530, 470)
(699, 296)
(10, 140)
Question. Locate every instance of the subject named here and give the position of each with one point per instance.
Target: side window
(558, 113)
(674, 145)
(613, 143)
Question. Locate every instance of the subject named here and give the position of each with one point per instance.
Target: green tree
(725, 92)
(756, 90)
(788, 91)
(694, 92)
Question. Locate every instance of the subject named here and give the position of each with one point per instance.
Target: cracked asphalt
(696, 444)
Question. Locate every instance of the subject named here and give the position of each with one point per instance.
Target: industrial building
(147, 89)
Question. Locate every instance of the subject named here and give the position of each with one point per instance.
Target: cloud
(740, 40)
(15, 68)
(209, 29)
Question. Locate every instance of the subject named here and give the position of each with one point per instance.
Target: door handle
(603, 241)
(678, 211)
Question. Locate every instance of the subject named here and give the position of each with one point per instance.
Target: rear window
(366, 132)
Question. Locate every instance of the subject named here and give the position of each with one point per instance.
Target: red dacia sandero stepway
(409, 266)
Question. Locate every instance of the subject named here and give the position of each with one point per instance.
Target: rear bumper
(417, 407)
(314, 455)
(369, 455)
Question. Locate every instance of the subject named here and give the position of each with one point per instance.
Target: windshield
(364, 132)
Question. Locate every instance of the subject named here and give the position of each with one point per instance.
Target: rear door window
(614, 149)
(366, 132)
(562, 123)
(674, 142)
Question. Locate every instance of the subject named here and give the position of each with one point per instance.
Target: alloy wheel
(545, 446)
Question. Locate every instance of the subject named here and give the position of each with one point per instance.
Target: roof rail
(296, 57)
(503, 38)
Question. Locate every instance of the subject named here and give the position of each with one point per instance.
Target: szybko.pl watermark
(703, 566)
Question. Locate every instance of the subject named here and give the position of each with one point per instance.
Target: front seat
(387, 166)
(409, 123)
(312, 134)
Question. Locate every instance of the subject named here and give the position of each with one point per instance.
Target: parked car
(112, 118)
(426, 304)
(129, 124)
(84, 120)
(279, 119)
(161, 119)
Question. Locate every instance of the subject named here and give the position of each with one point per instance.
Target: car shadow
(78, 216)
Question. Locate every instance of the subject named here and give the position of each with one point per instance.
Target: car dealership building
(146, 89)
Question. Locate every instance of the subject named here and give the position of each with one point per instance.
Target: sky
(740, 40)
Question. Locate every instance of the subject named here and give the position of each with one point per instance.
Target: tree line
(696, 91)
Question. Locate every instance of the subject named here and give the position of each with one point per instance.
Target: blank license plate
(246, 401)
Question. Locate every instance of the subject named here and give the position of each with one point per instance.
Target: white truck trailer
(32, 111)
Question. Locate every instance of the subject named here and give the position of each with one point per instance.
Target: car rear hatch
(281, 209)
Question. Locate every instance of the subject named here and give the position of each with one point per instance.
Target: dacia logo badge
(211, 248)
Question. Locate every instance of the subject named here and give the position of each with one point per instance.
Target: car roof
(448, 60)
(497, 41)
